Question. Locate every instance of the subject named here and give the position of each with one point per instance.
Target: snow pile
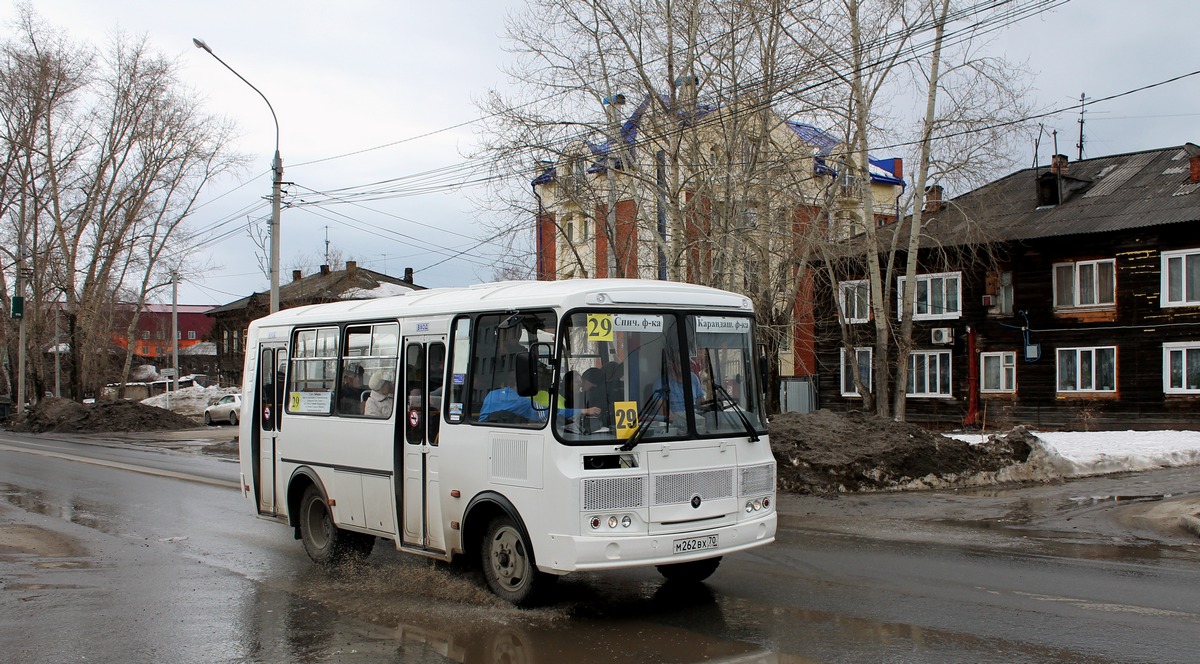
(385, 289)
(190, 400)
(1062, 454)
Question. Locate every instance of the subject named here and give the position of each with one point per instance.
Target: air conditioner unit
(989, 300)
(943, 335)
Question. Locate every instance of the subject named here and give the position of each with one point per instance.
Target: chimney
(1058, 164)
(933, 199)
(297, 275)
(898, 168)
(408, 275)
(1193, 153)
(351, 267)
(324, 269)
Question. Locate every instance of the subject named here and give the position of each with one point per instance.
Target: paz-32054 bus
(536, 428)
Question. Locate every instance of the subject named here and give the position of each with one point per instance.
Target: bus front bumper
(560, 554)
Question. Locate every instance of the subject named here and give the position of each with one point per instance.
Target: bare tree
(114, 153)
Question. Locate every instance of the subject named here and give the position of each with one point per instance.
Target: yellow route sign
(600, 327)
(625, 417)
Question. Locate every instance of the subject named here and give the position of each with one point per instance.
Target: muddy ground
(65, 416)
(817, 453)
(827, 453)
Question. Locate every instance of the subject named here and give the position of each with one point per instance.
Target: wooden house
(1066, 296)
(353, 283)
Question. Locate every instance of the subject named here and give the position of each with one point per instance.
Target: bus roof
(505, 295)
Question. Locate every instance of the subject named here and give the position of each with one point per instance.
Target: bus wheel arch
(496, 539)
(302, 478)
(324, 542)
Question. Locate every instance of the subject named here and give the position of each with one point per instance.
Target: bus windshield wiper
(722, 396)
(645, 418)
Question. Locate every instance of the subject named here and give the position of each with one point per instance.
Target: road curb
(1191, 523)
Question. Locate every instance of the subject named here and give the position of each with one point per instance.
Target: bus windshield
(642, 376)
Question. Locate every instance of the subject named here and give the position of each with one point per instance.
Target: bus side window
(460, 356)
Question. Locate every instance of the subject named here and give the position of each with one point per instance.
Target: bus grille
(680, 487)
(757, 479)
(614, 493)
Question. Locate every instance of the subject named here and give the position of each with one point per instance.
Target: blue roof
(883, 172)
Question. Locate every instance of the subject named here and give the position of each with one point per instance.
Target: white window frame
(1180, 349)
(1008, 372)
(929, 281)
(870, 365)
(933, 384)
(1076, 284)
(1182, 257)
(1080, 373)
(846, 294)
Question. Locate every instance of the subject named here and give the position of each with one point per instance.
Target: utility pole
(276, 179)
(19, 312)
(174, 331)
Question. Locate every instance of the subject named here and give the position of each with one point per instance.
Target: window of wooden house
(1087, 369)
(929, 374)
(937, 296)
(1181, 367)
(855, 300)
(858, 362)
(998, 371)
(1085, 284)
(1180, 278)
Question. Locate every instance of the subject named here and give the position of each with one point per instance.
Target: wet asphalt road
(115, 554)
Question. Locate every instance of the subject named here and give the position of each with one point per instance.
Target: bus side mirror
(526, 377)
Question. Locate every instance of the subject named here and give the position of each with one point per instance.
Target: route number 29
(625, 418)
(600, 327)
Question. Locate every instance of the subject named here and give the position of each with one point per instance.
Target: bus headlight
(626, 521)
(612, 522)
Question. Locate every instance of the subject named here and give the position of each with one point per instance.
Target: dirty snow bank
(190, 401)
(1063, 454)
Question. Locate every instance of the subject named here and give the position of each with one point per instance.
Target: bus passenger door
(424, 375)
(272, 365)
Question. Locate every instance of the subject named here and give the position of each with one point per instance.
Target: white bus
(537, 428)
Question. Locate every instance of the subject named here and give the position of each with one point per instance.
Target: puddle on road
(71, 509)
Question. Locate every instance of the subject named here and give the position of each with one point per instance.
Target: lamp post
(276, 185)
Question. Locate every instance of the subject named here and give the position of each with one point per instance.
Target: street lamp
(276, 186)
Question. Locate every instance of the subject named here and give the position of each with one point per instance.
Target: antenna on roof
(1082, 102)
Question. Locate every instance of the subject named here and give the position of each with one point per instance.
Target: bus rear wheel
(508, 566)
(324, 542)
(693, 571)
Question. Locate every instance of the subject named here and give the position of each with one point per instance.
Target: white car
(226, 409)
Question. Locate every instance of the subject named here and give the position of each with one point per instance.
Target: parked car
(226, 409)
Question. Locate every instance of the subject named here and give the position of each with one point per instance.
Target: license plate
(695, 544)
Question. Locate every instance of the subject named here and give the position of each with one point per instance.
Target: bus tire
(324, 542)
(508, 565)
(693, 571)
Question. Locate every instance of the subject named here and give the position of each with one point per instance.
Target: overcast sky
(344, 77)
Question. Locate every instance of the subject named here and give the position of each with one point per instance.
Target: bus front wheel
(324, 542)
(508, 566)
(693, 571)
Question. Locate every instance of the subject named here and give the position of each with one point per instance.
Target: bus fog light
(757, 505)
(626, 521)
(749, 507)
(612, 522)
(595, 522)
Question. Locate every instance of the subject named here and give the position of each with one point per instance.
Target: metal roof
(1121, 192)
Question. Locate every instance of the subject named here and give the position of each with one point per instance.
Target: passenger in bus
(673, 395)
(350, 394)
(379, 403)
(504, 405)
